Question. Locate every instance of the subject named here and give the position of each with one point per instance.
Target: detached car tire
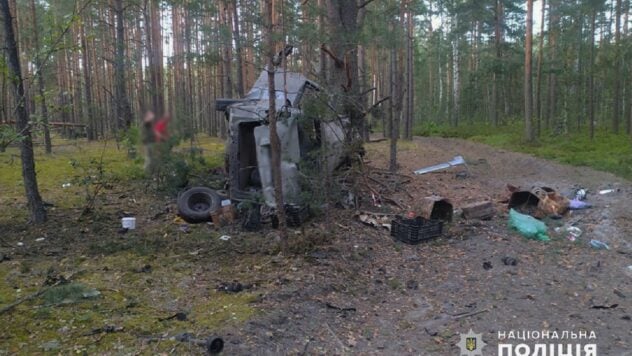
(196, 204)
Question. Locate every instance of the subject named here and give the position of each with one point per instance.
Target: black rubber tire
(196, 204)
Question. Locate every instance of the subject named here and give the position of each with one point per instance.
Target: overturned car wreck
(248, 145)
(248, 156)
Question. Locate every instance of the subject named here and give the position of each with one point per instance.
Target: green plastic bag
(528, 226)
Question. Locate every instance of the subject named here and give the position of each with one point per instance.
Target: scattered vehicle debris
(197, 204)
(456, 161)
(435, 208)
(417, 230)
(482, 210)
(528, 226)
(487, 265)
(375, 219)
(539, 202)
(581, 194)
(599, 245)
(607, 191)
(509, 261)
(224, 237)
(577, 204)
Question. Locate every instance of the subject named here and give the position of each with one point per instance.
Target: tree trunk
(238, 50)
(154, 54)
(538, 87)
(456, 82)
(410, 94)
(87, 73)
(275, 144)
(528, 95)
(40, 81)
(616, 112)
(122, 106)
(591, 76)
(343, 78)
(36, 206)
(498, 34)
(394, 117)
(554, 19)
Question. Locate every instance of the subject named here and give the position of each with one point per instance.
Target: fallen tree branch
(29, 297)
(460, 316)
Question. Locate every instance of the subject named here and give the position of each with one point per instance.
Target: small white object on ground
(224, 237)
(606, 191)
(39, 239)
(128, 223)
(66, 185)
(226, 202)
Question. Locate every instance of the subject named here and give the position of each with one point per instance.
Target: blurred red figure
(161, 132)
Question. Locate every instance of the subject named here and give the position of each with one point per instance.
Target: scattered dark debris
(145, 269)
(412, 284)
(431, 332)
(180, 316)
(487, 265)
(509, 261)
(619, 293)
(232, 287)
(123, 231)
(105, 330)
(612, 306)
(331, 306)
(461, 175)
(318, 255)
(626, 317)
(343, 311)
(4, 257)
(213, 345)
(53, 279)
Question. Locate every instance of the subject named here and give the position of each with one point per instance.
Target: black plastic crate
(417, 230)
(296, 215)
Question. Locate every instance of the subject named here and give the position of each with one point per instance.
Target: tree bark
(238, 50)
(122, 106)
(154, 54)
(538, 85)
(275, 144)
(410, 94)
(528, 95)
(554, 19)
(343, 76)
(40, 81)
(35, 204)
(591, 75)
(616, 112)
(87, 76)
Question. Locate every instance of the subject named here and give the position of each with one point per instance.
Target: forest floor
(346, 288)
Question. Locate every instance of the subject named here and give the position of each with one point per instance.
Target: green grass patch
(60, 174)
(606, 152)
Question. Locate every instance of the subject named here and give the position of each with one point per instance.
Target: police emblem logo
(471, 344)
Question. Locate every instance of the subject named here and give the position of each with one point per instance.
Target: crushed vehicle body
(248, 154)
